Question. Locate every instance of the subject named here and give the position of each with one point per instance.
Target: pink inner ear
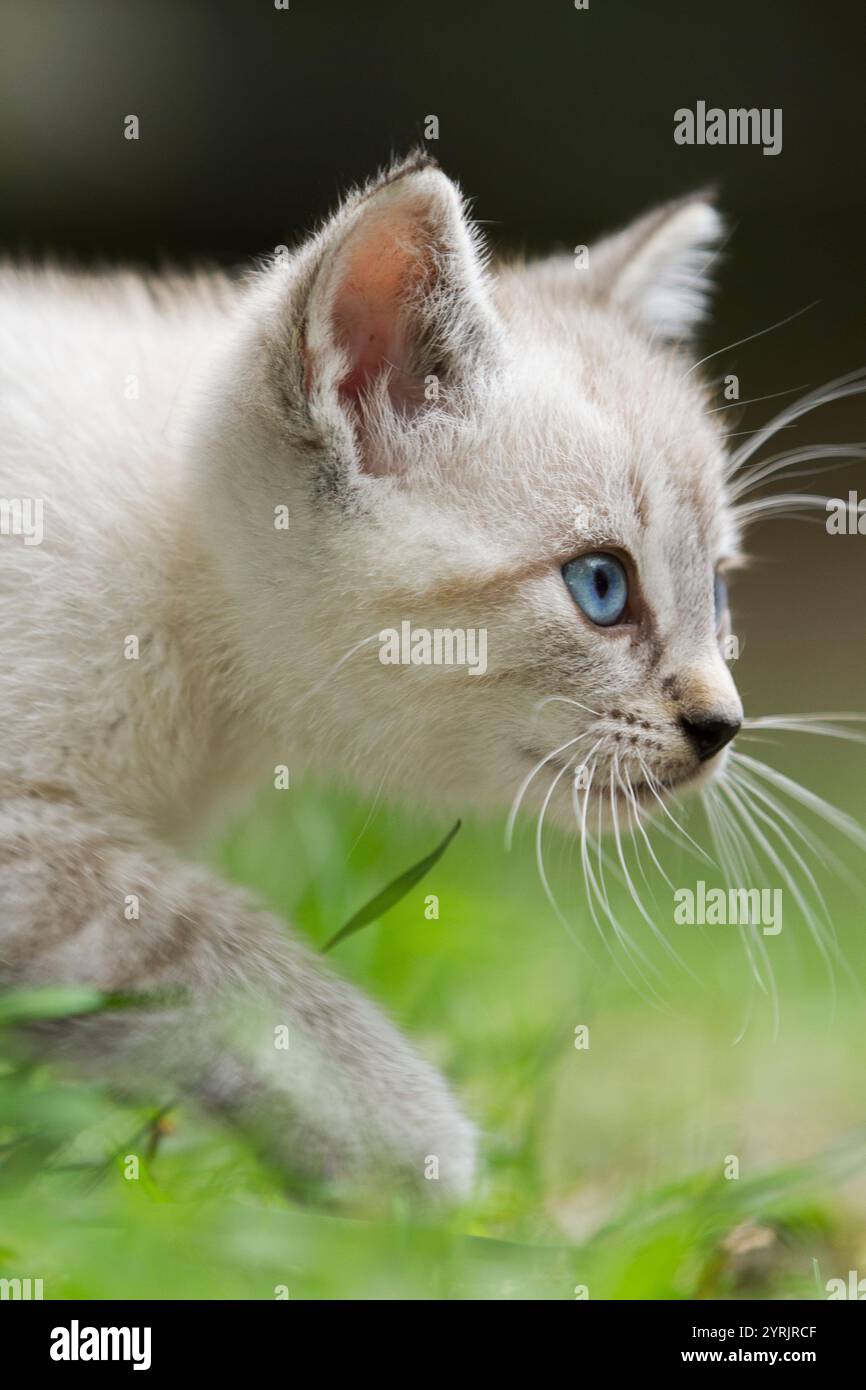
(381, 275)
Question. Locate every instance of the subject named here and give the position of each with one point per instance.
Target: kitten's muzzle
(710, 734)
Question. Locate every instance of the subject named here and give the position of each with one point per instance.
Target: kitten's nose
(710, 733)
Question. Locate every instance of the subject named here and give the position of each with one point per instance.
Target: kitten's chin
(705, 773)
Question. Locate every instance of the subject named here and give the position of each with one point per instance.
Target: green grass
(602, 1168)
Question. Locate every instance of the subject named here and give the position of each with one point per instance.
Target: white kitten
(509, 451)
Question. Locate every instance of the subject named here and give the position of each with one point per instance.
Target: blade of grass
(61, 1001)
(23, 1006)
(392, 893)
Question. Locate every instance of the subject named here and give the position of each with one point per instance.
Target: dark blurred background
(558, 123)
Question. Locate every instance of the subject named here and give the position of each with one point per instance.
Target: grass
(606, 1168)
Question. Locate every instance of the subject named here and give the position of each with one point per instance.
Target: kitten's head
(516, 466)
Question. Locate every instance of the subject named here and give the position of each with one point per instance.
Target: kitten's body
(162, 424)
(96, 423)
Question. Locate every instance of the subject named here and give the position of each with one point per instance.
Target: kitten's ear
(657, 268)
(398, 313)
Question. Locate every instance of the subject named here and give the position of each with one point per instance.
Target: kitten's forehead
(620, 446)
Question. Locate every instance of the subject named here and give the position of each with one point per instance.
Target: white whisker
(566, 700)
(786, 506)
(809, 916)
(632, 950)
(740, 776)
(727, 838)
(320, 685)
(751, 337)
(821, 725)
(629, 882)
(636, 824)
(851, 384)
(651, 783)
(539, 851)
(845, 824)
(753, 400)
(830, 454)
(530, 776)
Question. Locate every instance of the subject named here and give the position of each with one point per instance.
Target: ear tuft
(658, 268)
(418, 158)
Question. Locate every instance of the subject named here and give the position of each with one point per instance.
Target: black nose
(709, 735)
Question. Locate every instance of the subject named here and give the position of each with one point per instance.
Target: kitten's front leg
(266, 1034)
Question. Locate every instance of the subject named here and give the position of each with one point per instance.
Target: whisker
(726, 832)
(539, 852)
(851, 384)
(753, 400)
(651, 783)
(760, 333)
(809, 838)
(821, 725)
(845, 824)
(636, 824)
(738, 434)
(744, 860)
(740, 780)
(802, 901)
(787, 506)
(593, 891)
(530, 776)
(635, 896)
(320, 685)
(760, 472)
(630, 948)
(566, 700)
(837, 819)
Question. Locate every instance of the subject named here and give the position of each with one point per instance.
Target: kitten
(520, 450)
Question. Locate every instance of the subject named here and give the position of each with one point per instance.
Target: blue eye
(720, 595)
(598, 584)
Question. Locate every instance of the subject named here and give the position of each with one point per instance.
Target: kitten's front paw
(449, 1164)
(425, 1139)
(420, 1141)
